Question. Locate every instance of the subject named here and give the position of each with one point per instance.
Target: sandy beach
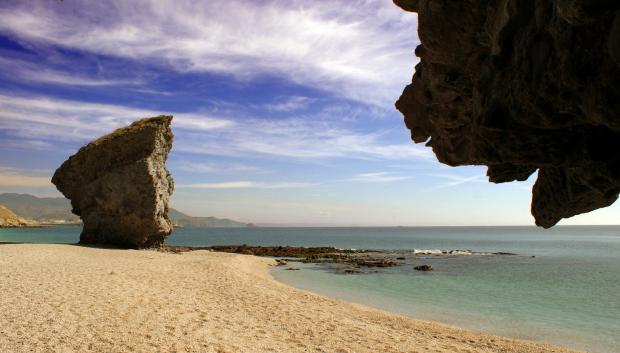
(65, 298)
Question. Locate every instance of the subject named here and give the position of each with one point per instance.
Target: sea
(562, 286)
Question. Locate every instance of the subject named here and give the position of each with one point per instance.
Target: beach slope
(65, 298)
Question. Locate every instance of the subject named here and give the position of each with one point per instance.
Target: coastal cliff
(120, 187)
(521, 86)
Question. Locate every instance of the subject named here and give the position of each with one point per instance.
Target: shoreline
(97, 299)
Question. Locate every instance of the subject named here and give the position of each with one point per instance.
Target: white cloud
(359, 49)
(10, 177)
(41, 117)
(22, 70)
(245, 185)
(27, 144)
(379, 177)
(300, 138)
(199, 167)
(56, 77)
(456, 180)
(289, 104)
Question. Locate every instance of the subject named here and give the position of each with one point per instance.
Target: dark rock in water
(520, 86)
(374, 263)
(120, 187)
(315, 255)
(292, 269)
(423, 268)
(277, 251)
(401, 258)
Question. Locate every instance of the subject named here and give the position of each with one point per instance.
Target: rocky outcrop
(521, 86)
(120, 187)
(423, 268)
(8, 219)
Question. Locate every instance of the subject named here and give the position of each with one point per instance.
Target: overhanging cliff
(521, 86)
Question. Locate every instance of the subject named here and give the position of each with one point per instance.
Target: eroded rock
(120, 187)
(520, 86)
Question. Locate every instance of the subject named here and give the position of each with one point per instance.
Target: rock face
(120, 187)
(8, 219)
(520, 86)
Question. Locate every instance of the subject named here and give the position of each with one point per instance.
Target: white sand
(63, 298)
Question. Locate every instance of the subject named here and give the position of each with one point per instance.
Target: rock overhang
(521, 86)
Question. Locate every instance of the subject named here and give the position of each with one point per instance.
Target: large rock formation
(8, 219)
(120, 187)
(520, 86)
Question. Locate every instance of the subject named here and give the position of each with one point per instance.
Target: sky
(283, 110)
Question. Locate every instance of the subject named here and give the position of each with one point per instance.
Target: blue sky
(284, 110)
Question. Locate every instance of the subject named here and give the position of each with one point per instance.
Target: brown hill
(10, 219)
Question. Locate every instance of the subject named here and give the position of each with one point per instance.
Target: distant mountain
(10, 219)
(187, 221)
(40, 209)
(58, 210)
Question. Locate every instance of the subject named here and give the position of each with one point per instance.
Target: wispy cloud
(199, 167)
(300, 138)
(456, 180)
(379, 177)
(27, 144)
(26, 71)
(10, 177)
(38, 117)
(288, 104)
(246, 185)
(359, 49)
(44, 118)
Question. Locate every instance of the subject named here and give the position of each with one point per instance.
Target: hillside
(40, 209)
(58, 210)
(10, 219)
(187, 221)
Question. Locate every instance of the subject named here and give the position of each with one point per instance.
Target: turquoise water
(568, 293)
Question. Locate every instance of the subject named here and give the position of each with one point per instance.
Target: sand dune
(63, 298)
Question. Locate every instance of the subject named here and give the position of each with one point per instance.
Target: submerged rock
(521, 86)
(423, 268)
(120, 187)
(349, 271)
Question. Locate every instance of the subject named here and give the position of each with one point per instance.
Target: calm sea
(563, 287)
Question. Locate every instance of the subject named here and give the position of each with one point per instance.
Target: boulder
(120, 187)
(522, 86)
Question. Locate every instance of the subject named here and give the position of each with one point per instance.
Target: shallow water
(569, 293)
